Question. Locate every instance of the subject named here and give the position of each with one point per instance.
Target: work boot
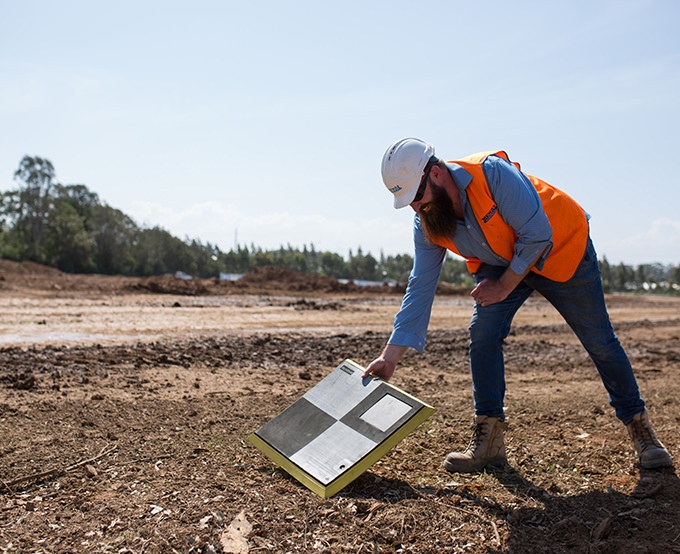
(651, 452)
(486, 447)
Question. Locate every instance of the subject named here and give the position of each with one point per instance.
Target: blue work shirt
(520, 207)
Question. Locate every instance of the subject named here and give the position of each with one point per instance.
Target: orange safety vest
(567, 219)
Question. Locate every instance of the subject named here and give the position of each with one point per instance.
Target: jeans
(581, 303)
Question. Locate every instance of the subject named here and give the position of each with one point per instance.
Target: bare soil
(125, 404)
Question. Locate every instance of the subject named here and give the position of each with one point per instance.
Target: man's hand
(384, 365)
(490, 291)
(380, 368)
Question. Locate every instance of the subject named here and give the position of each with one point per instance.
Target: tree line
(70, 228)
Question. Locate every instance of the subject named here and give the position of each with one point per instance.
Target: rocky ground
(125, 405)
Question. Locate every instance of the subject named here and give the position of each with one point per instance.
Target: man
(518, 234)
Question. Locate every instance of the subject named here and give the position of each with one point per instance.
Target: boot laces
(478, 431)
(644, 436)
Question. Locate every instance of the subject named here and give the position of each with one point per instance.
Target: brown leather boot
(486, 447)
(651, 452)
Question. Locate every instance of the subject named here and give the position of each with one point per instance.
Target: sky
(264, 123)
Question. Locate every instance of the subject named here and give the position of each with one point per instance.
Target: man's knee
(487, 333)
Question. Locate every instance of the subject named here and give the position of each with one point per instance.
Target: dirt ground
(125, 405)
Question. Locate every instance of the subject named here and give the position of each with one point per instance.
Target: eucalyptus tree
(30, 205)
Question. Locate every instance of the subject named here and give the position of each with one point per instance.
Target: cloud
(228, 226)
(660, 242)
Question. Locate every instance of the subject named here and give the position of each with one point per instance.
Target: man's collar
(460, 176)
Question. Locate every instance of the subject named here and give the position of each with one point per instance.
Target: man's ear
(436, 174)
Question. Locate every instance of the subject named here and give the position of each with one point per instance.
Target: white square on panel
(385, 412)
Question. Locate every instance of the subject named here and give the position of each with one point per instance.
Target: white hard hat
(402, 168)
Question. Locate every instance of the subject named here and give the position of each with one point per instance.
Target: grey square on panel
(295, 427)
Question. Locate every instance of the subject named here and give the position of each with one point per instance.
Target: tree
(68, 246)
(455, 272)
(606, 274)
(157, 252)
(36, 176)
(396, 267)
(363, 266)
(332, 265)
(82, 199)
(114, 235)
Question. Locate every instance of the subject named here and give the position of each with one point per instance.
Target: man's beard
(439, 221)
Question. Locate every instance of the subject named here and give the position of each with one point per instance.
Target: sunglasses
(423, 186)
